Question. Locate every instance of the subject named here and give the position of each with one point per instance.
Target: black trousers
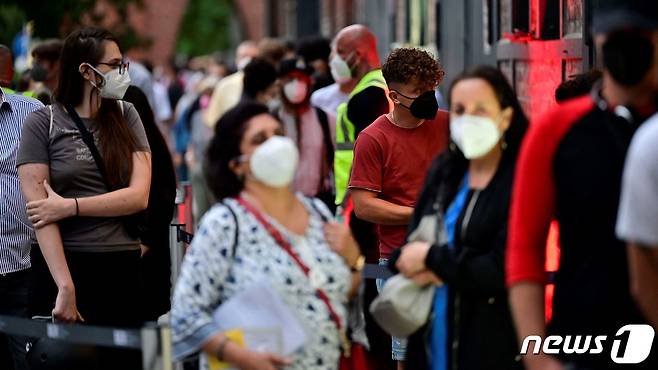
(156, 277)
(108, 293)
(13, 302)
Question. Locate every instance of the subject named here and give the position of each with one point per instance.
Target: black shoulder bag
(135, 224)
(326, 194)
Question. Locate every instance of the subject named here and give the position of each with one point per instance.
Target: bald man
(6, 66)
(228, 91)
(354, 56)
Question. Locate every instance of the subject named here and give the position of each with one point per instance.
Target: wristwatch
(358, 265)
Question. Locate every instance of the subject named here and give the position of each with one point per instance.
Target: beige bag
(403, 306)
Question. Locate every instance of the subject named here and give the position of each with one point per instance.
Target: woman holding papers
(263, 234)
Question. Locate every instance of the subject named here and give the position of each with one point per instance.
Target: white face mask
(274, 162)
(114, 84)
(474, 135)
(273, 104)
(340, 70)
(295, 91)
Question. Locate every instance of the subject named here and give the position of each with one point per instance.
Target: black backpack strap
(237, 226)
(88, 139)
(326, 135)
(317, 210)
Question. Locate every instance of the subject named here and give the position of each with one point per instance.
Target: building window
(520, 16)
(416, 20)
(572, 17)
(513, 16)
(550, 19)
(488, 25)
(437, 28)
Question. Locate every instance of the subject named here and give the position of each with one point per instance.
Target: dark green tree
(205, 27)
(12, 18)
(57, 18)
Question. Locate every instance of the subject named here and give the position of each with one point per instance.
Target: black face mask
(628, 56)
(38, 72)
(424, 106)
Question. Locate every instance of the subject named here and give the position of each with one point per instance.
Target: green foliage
(12, 18)
(205, 27)
(56, 18)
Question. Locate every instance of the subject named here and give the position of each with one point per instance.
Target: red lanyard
(285, 245)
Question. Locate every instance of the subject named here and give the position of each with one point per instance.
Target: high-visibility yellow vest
(30, 94)
(345, 133)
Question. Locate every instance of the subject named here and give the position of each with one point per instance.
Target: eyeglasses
(123, 66)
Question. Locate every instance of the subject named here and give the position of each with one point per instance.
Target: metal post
(152, 350)
(177, 248)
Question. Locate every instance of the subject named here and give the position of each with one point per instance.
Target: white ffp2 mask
(340, 70)
(274, 162)
(114, 84)
(474, 135)
(295, 91)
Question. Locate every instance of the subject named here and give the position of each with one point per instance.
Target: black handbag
(135, 224)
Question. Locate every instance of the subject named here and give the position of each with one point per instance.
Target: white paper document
(267, 323)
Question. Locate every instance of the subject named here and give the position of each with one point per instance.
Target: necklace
(393, 119)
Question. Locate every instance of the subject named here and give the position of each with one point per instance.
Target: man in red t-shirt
(393, 154)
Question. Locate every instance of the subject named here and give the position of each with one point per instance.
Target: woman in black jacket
(154, 234)
(469, 186)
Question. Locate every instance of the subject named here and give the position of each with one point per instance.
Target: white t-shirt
(328, 99)
(638, 211)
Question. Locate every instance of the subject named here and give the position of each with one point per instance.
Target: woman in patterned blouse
(232, 250)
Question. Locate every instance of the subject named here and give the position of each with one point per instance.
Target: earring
(503, 145)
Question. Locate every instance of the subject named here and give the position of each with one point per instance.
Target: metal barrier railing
(153, 341)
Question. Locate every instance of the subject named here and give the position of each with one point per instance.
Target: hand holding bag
(403, 306)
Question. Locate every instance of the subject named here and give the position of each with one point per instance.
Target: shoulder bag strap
(237, 226)
(326, 133)
(88, 139)
(317, 210)
(50, 127)
(285, 245)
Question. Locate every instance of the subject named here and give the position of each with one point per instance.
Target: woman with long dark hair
(469, 186)
(84, 165)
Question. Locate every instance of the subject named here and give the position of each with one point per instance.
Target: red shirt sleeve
(368, 164)
(533, 196)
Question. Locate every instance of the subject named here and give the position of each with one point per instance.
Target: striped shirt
(15, 228)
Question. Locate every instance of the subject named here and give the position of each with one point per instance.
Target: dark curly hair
(259, 74)
(225, 146)
(412, 65)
